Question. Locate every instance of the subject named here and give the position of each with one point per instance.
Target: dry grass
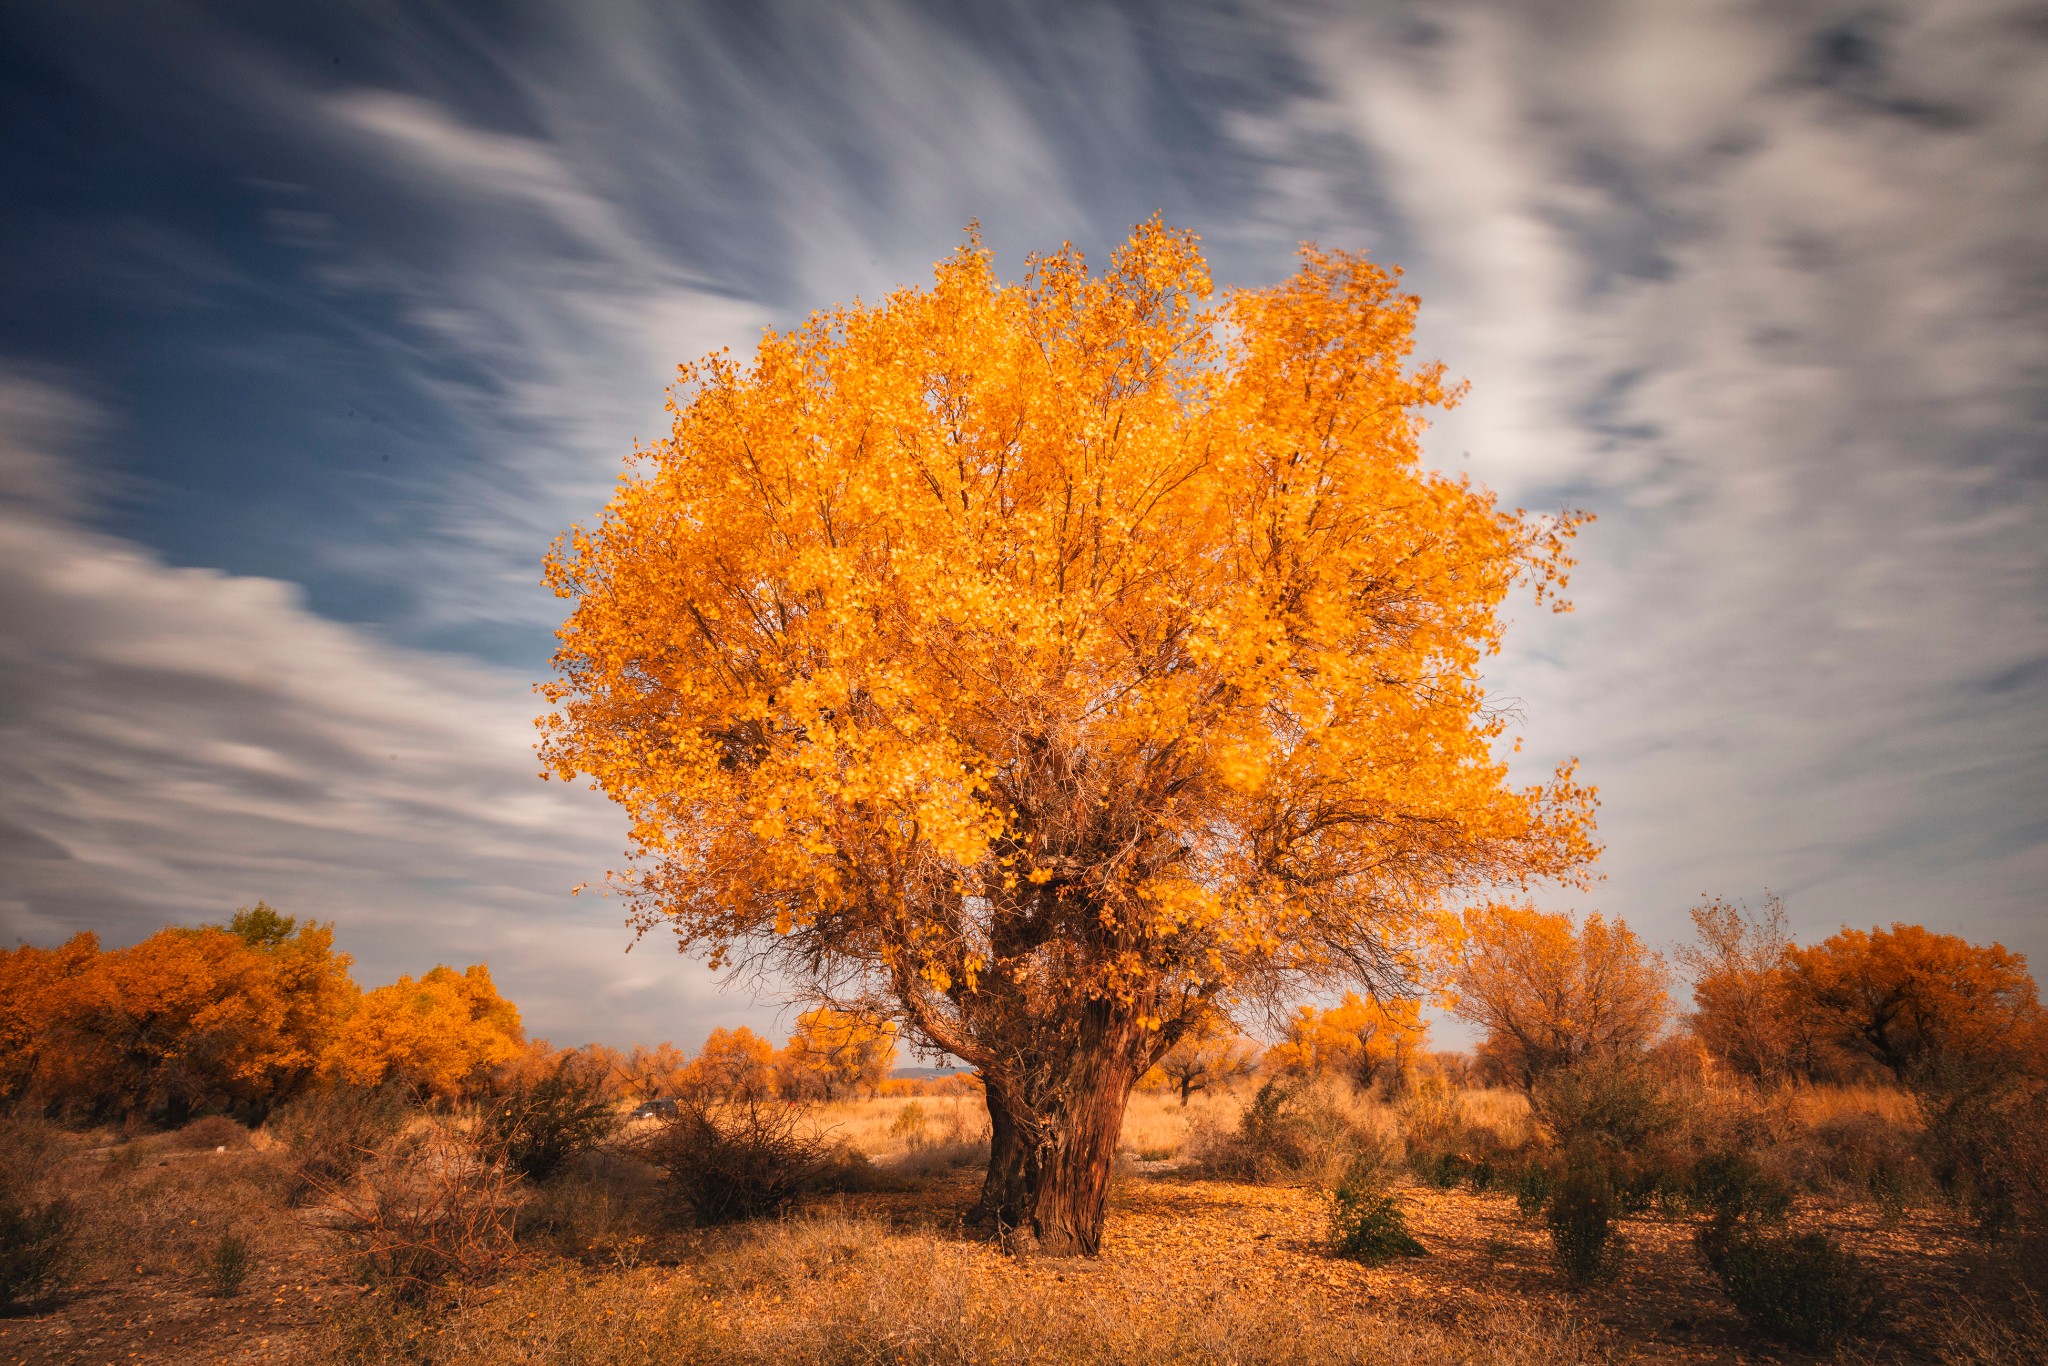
(839, 1290)
(1192, 1270)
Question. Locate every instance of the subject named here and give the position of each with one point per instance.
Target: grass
(1193, 1269)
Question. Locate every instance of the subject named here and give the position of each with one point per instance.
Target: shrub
(1580, 1216)
(227, 1265)
(1625, 1112)
(1292, 1131)
(214, 1131)
(37, 1242)
(1738, 1199)
(537, 1127)
(1366, 1220)
(743, 1159)
(1800, 1289)
(909, 1125)
(38, 1232)
(1988, 1147)
(429, 1210)
(330, 1133)
(1533, 1184)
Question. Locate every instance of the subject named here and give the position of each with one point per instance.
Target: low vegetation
(1342, 1202)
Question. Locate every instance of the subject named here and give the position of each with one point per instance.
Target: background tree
(654, 1073)
(1364, 1039)
(1908, 998)
(1745, 1010)
(1209, 1055)
(836, 1053)
(734, 1064)
(441, 1034)
(1550, 993)
(186, 1021)
(1048, 664)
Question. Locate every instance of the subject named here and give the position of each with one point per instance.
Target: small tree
(1047, 664)
(735, 1064)
(1550, 993)
(1364, 1039)
(1209, 1055)
(836, 1053)
(1745, 1010)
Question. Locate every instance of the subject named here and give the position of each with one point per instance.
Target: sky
(318, 323)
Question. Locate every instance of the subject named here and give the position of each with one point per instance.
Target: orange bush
(1359, 1038)
(440, 1034)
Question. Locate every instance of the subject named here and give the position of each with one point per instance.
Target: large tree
(1052, 663)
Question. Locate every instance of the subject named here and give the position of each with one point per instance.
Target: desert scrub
(1366, 1220)
(1798, 1288)
(537, 1127)
(726, 1162)
(329, 1133)
(38, 1228)
(1293, 1131)
(429, 1212)
(227, 1265)
(1580, 1217)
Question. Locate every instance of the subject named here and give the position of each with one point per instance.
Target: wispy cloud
(1765, 290)
(179, 742)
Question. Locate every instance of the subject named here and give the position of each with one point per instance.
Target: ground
(1173, 1245)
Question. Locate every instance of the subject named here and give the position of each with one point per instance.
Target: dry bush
(428, 1211)
(38, 1226)
(328, 1134)
(1295, 1131)
(834, 1291)
(730, 1161)
(213, 1131)
(539, 1124)
(603, 1209)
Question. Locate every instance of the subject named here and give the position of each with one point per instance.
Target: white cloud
(180, 742)
(1779, 325)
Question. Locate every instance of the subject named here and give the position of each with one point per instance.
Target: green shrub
(1532, 1184)
(227, 1265)
(1366, 1219)
(538, 1127)
(1799, 1289)
(37, 1241)
(1580, 1216)
(1738, 1198)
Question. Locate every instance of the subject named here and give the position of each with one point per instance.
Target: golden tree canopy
(1079, 635)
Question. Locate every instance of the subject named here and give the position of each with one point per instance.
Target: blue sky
(316, 325)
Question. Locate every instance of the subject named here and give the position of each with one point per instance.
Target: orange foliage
(1549, 993)
(1909, 998)
(1360, 1038)
(1045, 663)
(735, 1064)
(441, 1034)
(187, 1019)
(836, 1053)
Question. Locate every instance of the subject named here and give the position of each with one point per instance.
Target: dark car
(661, 1108)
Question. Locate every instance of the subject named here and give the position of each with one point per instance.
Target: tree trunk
(1050, 1155)
(1002, 1202)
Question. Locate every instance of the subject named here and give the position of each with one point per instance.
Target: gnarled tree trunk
(1052, 1145)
